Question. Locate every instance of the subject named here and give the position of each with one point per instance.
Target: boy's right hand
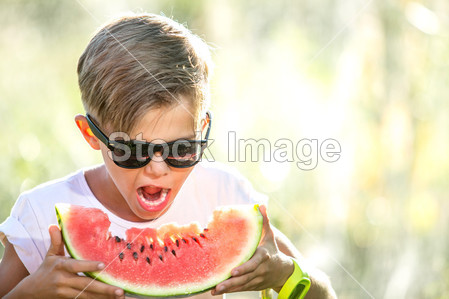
(57, 276)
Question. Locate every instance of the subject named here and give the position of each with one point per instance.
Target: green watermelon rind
(152, 293)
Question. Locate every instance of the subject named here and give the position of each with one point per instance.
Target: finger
(56, 245)
(234, 284)
(252, 285)
(263, 211)
(260, 256)
(78, 294)
(266, 227)
(76, 266)
(89, 286)
(67, 293)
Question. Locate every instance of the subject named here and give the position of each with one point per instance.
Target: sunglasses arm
(96, 131)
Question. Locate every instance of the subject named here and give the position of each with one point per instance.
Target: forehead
(166, 124)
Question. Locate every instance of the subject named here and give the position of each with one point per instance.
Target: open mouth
(153, 198)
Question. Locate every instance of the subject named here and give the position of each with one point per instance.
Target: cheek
(105, 154)
(123, 181)
(122, 178)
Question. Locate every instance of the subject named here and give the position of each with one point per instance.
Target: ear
(84, 128)
(204, 124)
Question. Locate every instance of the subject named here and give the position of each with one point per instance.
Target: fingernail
(221, 288)
(235, 272)
(100, 266)
(119, 292)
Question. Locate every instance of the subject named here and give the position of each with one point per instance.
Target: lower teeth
(156, 202)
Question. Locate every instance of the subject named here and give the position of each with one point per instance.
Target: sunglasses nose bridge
(157, 148)
(160, 151)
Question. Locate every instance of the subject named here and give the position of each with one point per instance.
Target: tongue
(151, 193)
(150, 190)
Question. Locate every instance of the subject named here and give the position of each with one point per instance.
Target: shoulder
(27, 226)
(216, 175)
(218, 171)
(225, 183)
(44, 196)
(71, 181)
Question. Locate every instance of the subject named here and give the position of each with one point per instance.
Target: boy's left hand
(268, 268)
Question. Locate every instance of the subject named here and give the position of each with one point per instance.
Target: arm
(270, 267)
(320, 284)
(12, 270)
(56, 277)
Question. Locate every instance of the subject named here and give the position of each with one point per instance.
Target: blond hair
(140, 62)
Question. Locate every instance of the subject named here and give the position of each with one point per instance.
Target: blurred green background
(371, 74)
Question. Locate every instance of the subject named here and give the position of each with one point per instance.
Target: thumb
(56, 246)
(266, 227)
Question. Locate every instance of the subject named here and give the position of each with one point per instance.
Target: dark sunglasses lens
(179, 154)
(132, 162)
(184, 153)
(128, 155)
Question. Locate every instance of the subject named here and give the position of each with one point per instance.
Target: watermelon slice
(169, 261)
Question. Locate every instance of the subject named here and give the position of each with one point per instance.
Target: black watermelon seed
(202, 235)
(135, 255)
(121, 255)
(148, 260)
(160, 257)
(151, 246)
(128, 245)
(117, 239)
(195, 239)
(184, 240)
(206, 229)
(166, 248)
(177, 242)
(174, 252)
(142, 248)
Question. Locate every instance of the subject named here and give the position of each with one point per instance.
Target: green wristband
(297, 285)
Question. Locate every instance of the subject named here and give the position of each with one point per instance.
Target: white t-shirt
(209, 185)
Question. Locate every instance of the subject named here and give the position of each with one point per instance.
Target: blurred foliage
(370, 74)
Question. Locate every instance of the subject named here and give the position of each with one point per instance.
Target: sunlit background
(372, 75)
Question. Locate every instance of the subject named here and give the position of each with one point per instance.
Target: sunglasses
(132, 154)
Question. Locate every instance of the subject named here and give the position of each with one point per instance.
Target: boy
(142, 78)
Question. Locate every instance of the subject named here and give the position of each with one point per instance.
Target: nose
(157, 166)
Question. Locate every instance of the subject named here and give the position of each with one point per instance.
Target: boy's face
(146, 193)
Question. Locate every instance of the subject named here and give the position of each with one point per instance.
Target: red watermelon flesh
(169, 261)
